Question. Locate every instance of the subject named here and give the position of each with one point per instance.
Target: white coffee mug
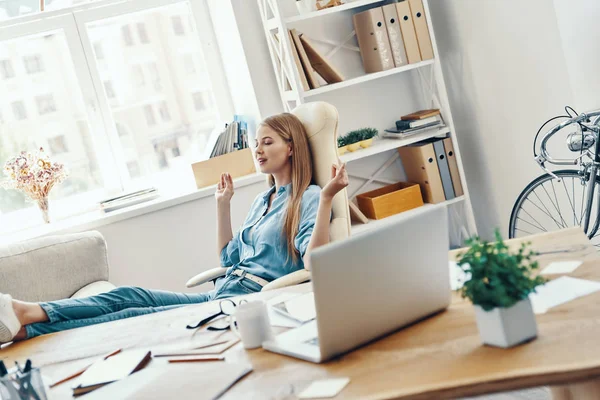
(253, 324)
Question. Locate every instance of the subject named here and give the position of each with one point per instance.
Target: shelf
(331, 10)
(385, 144)
(366, 78)
(358, 228)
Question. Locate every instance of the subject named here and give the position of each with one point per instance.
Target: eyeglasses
(226, 308)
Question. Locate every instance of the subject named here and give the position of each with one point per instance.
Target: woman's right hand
(224, 191)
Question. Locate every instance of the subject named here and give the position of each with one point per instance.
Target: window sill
(95, 219)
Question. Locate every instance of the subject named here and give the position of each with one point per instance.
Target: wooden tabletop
(441, 357)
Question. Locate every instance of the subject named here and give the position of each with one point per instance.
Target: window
(6, 69)
(154, 76)
(33, 64)
(45, 104)
(142, 33)
(149, 114)
(200, 103)
(137, 74)
(134, 169)
(177, 25)
(188, 63)
(108, 88)
(58, 145)
(103, 44)
(19, 112)
(126, 33)
(98, 51)
(163, 110)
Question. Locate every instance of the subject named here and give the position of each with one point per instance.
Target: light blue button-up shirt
(260, 247)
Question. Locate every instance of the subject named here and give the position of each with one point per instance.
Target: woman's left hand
(339, 180)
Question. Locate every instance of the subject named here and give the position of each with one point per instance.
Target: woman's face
(271, 151)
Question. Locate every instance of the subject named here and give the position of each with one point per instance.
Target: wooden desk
(439, 358)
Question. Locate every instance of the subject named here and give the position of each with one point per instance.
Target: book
(415, 123)
(111, 369)
(422, 114)
(395, 132)
(311, 76)
(296, 56)
(129, 199)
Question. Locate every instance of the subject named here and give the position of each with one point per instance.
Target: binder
(294, 51)
(440, 153)
(323, 67)
(393, 29)
(453, 165)
(311, 76)
(411, 46)
(373, 40)
(421, 167)
(420, 22)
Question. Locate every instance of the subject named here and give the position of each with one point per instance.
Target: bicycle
(563, 198)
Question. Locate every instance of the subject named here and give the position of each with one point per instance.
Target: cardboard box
(390, 200)
(238, 163)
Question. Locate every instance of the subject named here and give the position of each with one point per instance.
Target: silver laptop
(373, 284)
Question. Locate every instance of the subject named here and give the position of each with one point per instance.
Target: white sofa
(55, 267)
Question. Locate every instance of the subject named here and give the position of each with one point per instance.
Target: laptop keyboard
(313, 341)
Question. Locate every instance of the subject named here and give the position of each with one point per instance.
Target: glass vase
(43, 205)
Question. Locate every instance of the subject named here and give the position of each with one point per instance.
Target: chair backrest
(321, 122)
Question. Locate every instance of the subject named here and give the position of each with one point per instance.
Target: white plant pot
(506, 327)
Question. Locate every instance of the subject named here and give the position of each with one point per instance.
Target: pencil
(180, 360)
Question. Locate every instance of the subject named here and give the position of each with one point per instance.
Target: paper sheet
(560, 291)
(324, 388)
(561, 267)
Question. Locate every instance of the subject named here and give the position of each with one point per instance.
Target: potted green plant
(342, 145)
(498, 283)
(367, 135)
(362, 137)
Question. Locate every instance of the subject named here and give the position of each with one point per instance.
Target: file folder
(320, 64)
(440, 153)
(453, 165)
(421, 29)
(373, 40)
(411, 46)
(294, 51)
(393, 29)
(311, 75)
(421, 167)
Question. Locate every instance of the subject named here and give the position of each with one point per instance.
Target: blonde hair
(291, 129)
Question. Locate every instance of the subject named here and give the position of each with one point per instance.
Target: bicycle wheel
(548, 204)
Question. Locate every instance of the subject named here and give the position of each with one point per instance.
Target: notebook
(197, 381)
(112, 369)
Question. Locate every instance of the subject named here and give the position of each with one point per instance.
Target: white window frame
(72, 20)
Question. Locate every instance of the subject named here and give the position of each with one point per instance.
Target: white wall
(578, 27)
(506, 74)
(163, 249)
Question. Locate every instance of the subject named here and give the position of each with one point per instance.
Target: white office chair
(321, 122)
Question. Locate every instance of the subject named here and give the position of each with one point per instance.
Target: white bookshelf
(358, 228)
(366, 78)
(366, 99)
(384, 144)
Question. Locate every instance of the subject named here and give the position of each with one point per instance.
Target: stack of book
(128, 199)
(415, 123)
(234, 137)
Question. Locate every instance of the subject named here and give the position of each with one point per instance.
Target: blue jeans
(127, 302)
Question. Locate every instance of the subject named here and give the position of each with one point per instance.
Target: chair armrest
(93, 289)
(294, 278)
(206, 276)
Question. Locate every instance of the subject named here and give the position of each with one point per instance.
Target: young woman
(284, 224)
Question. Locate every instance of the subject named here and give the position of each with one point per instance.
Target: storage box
(238, 163)
(390, 200)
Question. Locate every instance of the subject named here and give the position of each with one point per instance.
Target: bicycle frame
(593, 167)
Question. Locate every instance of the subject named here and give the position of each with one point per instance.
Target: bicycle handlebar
(550, 133)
